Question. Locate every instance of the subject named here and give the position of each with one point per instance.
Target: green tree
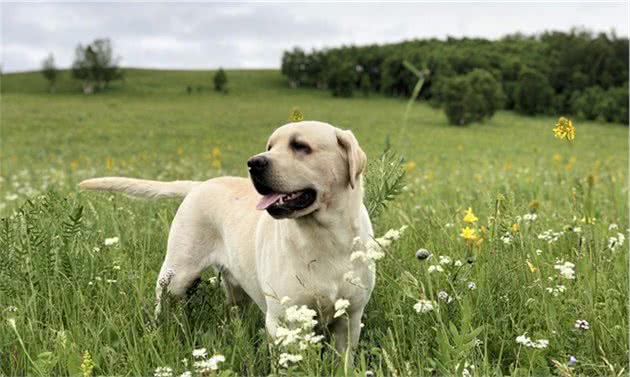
(533, 94)
(472, 97)
(220, 81)
(341, 79)
(50, 71)
(613, 105)
(95, 65)
(365, 84)
(586, 103)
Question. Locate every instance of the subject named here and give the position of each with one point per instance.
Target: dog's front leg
(271, 324)
(347, 330)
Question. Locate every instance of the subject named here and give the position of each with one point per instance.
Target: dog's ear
(356, 157)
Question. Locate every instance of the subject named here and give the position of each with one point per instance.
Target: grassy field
(63, 292)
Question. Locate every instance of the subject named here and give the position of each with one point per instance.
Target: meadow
(540, 287)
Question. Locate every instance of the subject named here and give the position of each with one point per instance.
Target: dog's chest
(324, 282)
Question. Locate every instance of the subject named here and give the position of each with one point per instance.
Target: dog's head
(306, 166)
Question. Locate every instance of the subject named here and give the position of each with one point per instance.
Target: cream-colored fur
(303, 256)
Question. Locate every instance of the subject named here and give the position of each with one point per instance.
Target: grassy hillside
(57, 269)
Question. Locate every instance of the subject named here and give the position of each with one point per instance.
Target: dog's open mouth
(277, 203)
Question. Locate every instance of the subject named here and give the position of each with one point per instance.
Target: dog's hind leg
(191, 249)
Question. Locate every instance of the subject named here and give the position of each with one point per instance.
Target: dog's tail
(140, 188)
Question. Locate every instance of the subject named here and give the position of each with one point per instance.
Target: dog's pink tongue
(268, 200)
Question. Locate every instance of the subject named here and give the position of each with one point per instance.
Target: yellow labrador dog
(290, 234)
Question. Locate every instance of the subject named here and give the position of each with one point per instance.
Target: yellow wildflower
(216, 152)
(515, 228)
(469, 216)
(532, 268)
(534, 205)
(410, 166)
(564, 129)
(296, 115)
(109, 163)
(216, 164)
(469, 234)
(87, 365)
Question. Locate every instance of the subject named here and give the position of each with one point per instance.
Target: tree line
(95, 67)
(576, 73)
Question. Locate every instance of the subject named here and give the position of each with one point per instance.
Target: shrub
(533, 94)
(471, 97)
(613, 105)
(586, 103)
(220, 81)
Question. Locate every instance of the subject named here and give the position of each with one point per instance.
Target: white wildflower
(506, 238)
(163, 372)
(206, 366)
(612, 227)
(287, 358)
(523, 340)
(111, 241)
(358, 255)
(200, 353)
(423, 306)
(351, 278)
(614, 242)
(443, 296)
(528, 342)
(472, 286)
(566, 269)
(530, 217)
(582, 324)
(541, 343)
(445, 260)
(435, 268)
(557, 290)
(312, 339)
(186, 374)
(302, 316)
(550, 236)
(458, 263)
(285, 336)
(340, 307)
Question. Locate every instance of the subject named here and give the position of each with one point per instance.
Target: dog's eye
(268, 147)
(300, 147)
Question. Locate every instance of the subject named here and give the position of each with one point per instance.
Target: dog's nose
(257, 164)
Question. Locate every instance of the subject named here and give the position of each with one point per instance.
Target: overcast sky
(241, 35)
